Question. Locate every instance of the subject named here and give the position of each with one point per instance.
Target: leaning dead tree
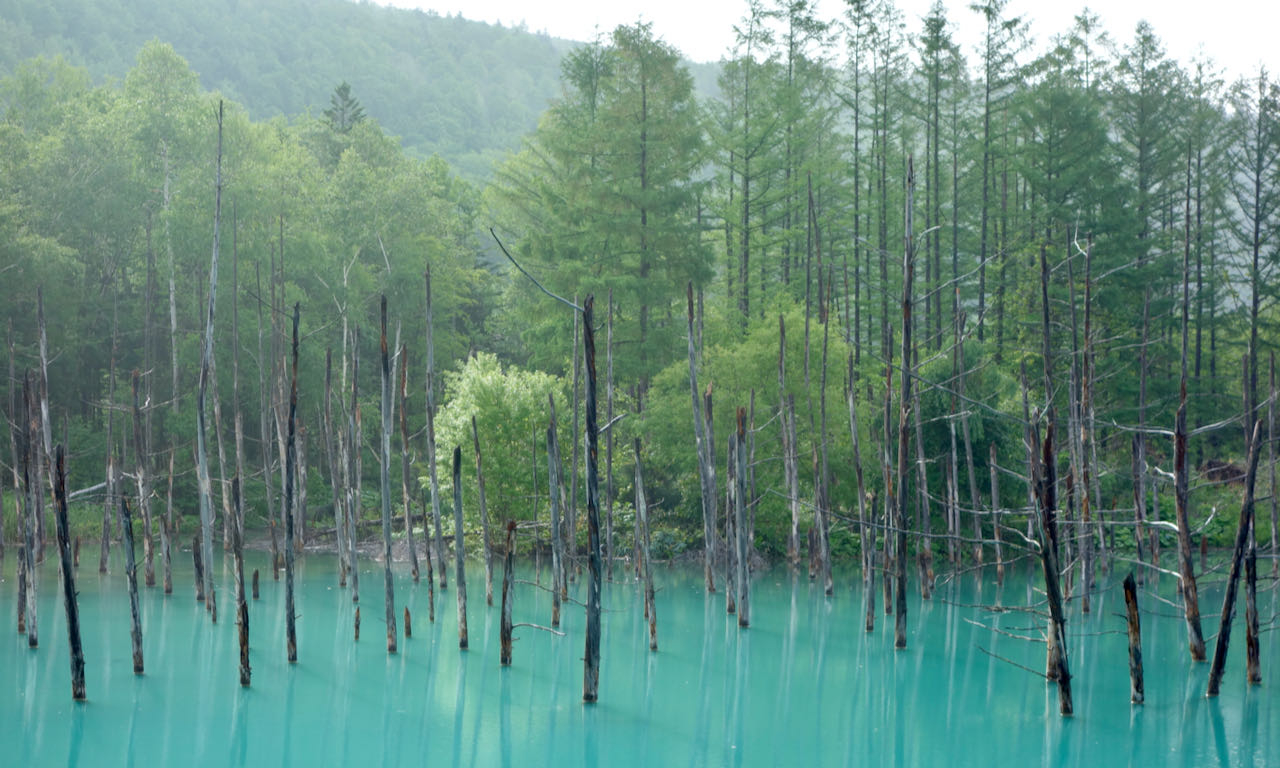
(69, 579)
(1243, 532)
(430, 385)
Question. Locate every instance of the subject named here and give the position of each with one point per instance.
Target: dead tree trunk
(1045, 479)
(459, 553)
(865, 528)
(1190, 595)
(642, 517)
(995, 514)
(144, 487)
(484, 516)
(335, 474)
(1136, 692)
(591, 657)
(109, 503)
(740, 509)
(504, 635)
(706, 470)
(69, 584)
(291, 637)
(242, 607)
(788, 450)
(608, 444)
(404, 462)
(31, 493)
(431, 438)
(131, 575)
(904, 400)
(1237, 558)
(385, 482)
(554, 485)
(352, 468)
(731, 525)
(206, 364)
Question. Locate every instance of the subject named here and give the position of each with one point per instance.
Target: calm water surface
(805, 685)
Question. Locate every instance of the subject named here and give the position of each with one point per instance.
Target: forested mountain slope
(466, 90)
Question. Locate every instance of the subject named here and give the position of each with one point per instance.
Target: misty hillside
(463, 89)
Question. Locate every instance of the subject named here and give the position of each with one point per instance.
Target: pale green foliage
(512, 413)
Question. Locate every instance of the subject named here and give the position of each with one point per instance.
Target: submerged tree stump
(1136, 692)
(504, 631)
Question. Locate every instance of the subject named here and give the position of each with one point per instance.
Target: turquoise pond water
(805, 685)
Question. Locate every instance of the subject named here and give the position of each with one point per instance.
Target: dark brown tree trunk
(131, 575)
(242, 607)
(505, 629)
(291, 637)
(1233, 578)
(459, 553)
(591, 656)
(69, 585)
(1136, 692)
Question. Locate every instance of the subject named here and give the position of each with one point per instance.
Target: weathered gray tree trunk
(642, 518)
(264, 421)
(385, 482)
(242, 607)
(405, 477)
(554, 485)
(144, 486)
(706, 472)
(335, 473)
(431, 438)
(996, 514)
(731, 526)
(1190, 595)
(608, 445)
(487, 551)
(865, 527)
(69, 581)
(206, 365)
(108, 505)
(352, 467)
(31, 492)
(459, 547)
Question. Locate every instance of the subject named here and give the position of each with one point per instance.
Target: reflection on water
(804, 685)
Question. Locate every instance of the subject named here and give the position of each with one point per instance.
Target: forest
(945, 292)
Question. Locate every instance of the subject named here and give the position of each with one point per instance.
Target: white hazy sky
(1232, 32)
